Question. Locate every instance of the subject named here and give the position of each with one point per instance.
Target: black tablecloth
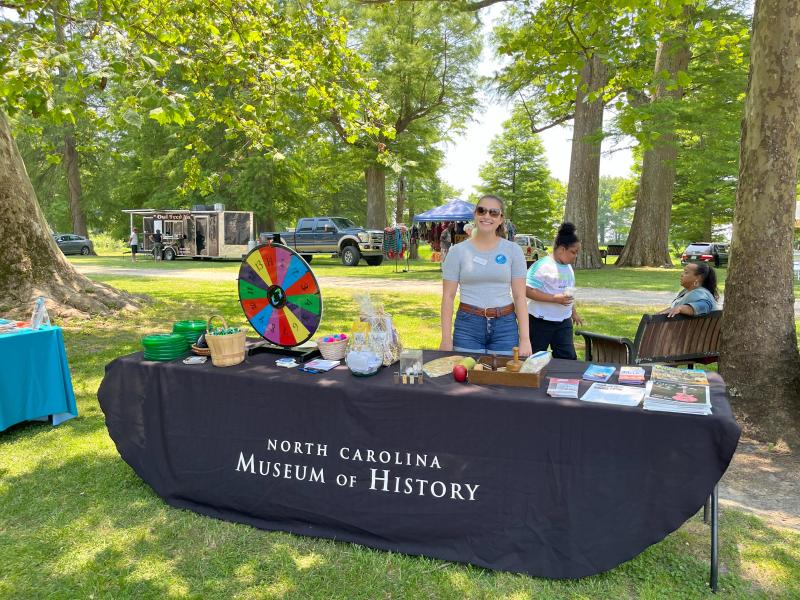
(500, 477)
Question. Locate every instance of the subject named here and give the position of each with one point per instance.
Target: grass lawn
(76, 522)
(642, 279)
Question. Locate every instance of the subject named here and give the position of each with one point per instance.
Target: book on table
(670, 396)
(609, 393)
(600, 373)
(631, 375)
(563, 388)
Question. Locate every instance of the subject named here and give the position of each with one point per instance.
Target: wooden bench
(611, 250)
(660, 339)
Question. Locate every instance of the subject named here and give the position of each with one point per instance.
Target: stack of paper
(670, 396)
(607, 393)
(563, 388)
(631, 375)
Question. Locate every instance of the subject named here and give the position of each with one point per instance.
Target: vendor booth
(455, 214)
(501, 477)
(455, 210)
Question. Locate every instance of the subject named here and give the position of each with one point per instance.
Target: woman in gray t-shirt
(490, 272)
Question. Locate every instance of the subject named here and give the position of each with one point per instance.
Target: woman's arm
(521, 310)
(681, 309)
(449, 289)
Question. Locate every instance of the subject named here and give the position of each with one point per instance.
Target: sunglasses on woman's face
(493, 212)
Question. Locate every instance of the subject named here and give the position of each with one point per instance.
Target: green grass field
(422, 269)
(76, 522)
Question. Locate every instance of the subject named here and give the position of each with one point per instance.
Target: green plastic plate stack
(164, 346)
(190, 330)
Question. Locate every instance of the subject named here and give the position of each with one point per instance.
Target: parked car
(710, 252)
(532, 246)
(73, 244)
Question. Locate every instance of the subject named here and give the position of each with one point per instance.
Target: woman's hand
(563, 299)
(681, 309)
(576, 318)
(446, 346)
(525, 348)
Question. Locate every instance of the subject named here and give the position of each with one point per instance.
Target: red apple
(460, 373)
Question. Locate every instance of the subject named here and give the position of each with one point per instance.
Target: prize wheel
(280, 295)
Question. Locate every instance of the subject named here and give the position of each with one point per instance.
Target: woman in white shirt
(550, 290)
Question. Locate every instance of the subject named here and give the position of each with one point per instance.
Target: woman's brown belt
(489, 313)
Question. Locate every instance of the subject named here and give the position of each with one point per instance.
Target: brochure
(320, 365)
(631, 375)
(599, 373)
(563, 388)
(607, 393)
(691, 376)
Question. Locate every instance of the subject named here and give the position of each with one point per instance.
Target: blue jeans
(479, 335)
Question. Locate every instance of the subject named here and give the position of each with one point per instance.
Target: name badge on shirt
(480, 261)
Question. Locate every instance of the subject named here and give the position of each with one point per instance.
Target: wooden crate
(487, 377)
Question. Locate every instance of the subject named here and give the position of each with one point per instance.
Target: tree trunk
(72, 168)
(401, 199)
(584, 164)
(31, 264)
(71, 163)
(648, 242)
(759, 360)
(376, 196)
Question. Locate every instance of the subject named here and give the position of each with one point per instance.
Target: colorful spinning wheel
(279, 295)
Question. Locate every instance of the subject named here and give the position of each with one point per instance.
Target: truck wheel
(374, 261)
(350, 256)
(307, 257)
(169, 254)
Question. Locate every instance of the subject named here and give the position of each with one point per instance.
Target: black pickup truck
(331, 235)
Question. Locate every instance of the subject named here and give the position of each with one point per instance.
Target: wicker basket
(332, 350)
(226, 350)
(197, 350)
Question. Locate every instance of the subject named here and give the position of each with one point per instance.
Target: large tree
(759, 358)
(424, 57)
(517, 171)
(250, 68)
(648, 242)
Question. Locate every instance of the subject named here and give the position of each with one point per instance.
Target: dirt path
(760, 480)
(765, 482)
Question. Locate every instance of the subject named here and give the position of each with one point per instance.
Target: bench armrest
(607, 348)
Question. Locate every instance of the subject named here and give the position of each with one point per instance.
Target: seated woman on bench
(699, 294)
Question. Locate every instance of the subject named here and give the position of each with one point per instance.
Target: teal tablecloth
(34, 377)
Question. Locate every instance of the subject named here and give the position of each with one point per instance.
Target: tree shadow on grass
(89, 525)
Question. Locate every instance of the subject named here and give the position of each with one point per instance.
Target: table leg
(714, 539)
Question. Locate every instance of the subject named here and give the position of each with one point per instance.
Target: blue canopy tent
(455, 210)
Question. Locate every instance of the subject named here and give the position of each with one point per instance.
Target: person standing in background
(551, 289)
(157, 245)
(512, 231)
(446, 240)
(133, 242)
